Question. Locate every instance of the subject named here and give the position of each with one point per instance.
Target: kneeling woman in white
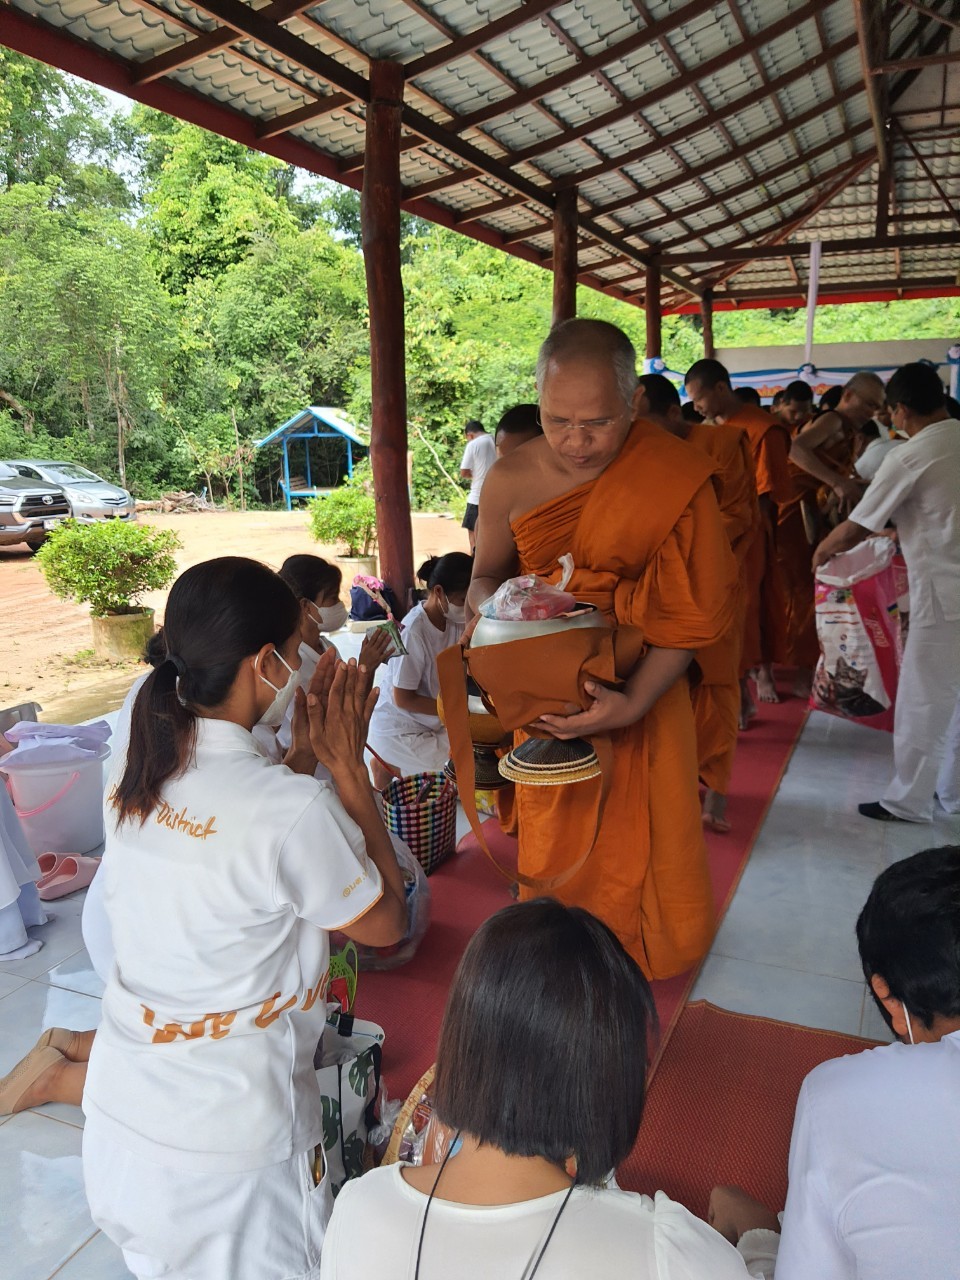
(223, 875)
(541, 1073)
(405, 731)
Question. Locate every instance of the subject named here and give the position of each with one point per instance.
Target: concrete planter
(351, 566)
(122, 636)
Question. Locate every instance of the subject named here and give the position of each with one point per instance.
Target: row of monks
(696, 540)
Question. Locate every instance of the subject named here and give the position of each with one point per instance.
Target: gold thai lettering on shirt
(216, 1026)
(355, 885)
(177, 820)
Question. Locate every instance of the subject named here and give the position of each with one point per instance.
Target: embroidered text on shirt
(192, 826)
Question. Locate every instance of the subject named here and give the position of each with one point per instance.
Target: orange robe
(764, 634)
(795, 552)
(650, 551)
(716, 698)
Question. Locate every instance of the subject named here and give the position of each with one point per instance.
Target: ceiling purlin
(836, 182)
(659, 93)
(638, 154)
(779, 171)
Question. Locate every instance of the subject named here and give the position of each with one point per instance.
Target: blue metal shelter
(312, 423)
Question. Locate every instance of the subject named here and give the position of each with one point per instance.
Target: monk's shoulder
(652, 445)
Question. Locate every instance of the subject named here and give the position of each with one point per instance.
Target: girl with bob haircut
(223, 875)
(540, 1074)
(405, 731)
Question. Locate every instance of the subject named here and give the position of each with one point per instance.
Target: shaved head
(867, 385)
(863, 396)
(589, 342)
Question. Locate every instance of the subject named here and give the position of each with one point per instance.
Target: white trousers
(179, 1224)
(926, 734)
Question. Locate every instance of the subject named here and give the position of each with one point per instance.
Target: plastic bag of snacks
(530, 599)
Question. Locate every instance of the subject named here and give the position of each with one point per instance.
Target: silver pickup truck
(28, 508)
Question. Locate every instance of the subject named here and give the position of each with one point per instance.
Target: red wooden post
(565, 255)
(651, 303)
(380, 224)
(706, 313)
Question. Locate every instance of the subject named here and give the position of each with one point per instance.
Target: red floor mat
(408, 1002)
(721, 1107)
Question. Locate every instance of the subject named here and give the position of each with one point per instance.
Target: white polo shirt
(874, 1187)
(478, 457)
(219, 906)
(918, 488)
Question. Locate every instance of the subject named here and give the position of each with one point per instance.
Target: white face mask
(330, 617)
(455, 612)
(273, 716)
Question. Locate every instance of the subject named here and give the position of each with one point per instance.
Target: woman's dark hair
(217, 614)
(452, 572)
(909, 933)
(918, 388)
(156, 650)
(543, 1048)
(310, 576)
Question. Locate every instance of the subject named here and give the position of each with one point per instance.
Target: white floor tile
(9, 982)
(808, 999)
(98, 1260)
(818, 941)
(35, 1007)
(45, 1219)
(61, 937)
(76, 973)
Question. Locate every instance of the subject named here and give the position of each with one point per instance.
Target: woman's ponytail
(163, 733)
(218, 613)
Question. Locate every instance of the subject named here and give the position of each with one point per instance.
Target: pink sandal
(48, 863)
(71, 873)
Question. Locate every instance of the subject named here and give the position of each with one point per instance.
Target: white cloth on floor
(20, 907)
(263, 1224)
(375, 1229)
(413, 741)
(875, 1167)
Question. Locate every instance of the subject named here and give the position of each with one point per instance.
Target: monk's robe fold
(764, 638)
(795, 550)
(716, 699)
(649, 548)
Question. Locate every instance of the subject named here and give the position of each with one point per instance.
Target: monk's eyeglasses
(594, 424)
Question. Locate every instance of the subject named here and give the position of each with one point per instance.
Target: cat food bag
(858, 626)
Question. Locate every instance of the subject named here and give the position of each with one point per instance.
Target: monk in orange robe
(638, 513)
(764, 637)
(716, 697)
(822, 467)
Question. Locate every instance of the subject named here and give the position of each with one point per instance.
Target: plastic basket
(422, 810)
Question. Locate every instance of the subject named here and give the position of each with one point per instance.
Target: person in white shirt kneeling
(874, 1178)
(223, 875)
(540, 1074)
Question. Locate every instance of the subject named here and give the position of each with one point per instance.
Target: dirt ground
(45, 643)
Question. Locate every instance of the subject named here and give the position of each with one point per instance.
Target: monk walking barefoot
(637, 511)
(766, 685)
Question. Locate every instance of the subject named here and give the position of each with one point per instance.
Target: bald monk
(708, 385)
(822, 464)
(716, 698)
(637, 511)
(518, 426)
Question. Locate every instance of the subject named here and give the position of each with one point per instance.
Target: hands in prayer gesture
(339, 705)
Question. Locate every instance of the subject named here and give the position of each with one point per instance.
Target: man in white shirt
(917, 488)
(478, 457)
(874, 1179)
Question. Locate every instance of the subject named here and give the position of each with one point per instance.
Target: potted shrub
(109, 566)
(347, 519)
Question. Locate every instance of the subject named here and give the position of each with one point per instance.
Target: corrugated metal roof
(690, 125)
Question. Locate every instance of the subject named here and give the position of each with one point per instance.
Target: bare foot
(714, 809)
(802, 683)
(766, 688)
(748, 708)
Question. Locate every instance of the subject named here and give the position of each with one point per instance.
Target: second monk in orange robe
(638, 512)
